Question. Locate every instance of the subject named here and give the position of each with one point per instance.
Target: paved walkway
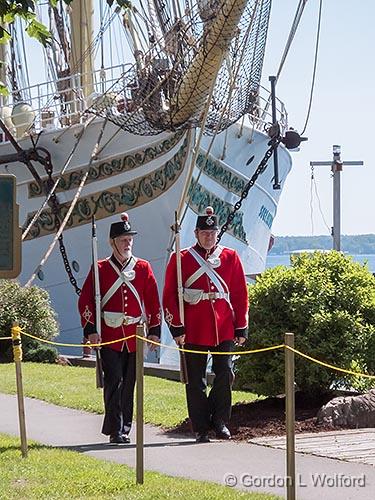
(253, 467)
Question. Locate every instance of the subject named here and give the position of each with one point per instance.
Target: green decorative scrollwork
(220, 174)
(109, 167)
(200, 198)
(114, 200)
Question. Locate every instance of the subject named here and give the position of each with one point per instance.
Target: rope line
(314, 70)
(70, 210)
(123, 339)
(5, 338)
(60, 174)
(193, 351)
(327, 365)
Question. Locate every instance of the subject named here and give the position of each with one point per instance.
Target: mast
(3, 70)
(81, 58)
(137, 46)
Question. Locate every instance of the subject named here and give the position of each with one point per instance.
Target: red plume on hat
(208, 221)
(121, 228)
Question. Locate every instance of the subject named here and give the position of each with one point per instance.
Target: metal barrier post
(17, 355)
(139, 405)
(290, 418)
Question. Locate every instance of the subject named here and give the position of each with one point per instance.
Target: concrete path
(250, 467)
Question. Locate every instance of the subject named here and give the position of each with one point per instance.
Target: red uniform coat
(210, 321)
(122, 301)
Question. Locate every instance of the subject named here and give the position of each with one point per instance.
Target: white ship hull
(131, 175)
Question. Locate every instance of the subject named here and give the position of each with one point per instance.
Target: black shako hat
(208, 221)
(121, 228)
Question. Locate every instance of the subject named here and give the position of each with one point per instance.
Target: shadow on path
(82, 448)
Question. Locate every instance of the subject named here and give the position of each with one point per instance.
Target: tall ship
(146, 108)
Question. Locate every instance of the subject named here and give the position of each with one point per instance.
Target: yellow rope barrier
(77, 345)
(176, 348)
(182, 349)
(327, 365)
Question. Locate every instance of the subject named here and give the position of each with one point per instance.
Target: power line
(315, 65)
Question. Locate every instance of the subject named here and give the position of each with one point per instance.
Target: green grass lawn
(57, 473)
(74, 387)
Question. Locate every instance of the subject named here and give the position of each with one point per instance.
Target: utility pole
(336, 167)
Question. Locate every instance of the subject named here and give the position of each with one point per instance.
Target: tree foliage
(31, 307)
(328, 302)
(25, 9)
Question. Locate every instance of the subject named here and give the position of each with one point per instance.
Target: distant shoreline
(317, 250)
(360, 244)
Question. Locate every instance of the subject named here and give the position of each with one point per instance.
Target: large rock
(349, 411)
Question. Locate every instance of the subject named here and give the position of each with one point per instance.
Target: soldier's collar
(118, 264)
(202, 251)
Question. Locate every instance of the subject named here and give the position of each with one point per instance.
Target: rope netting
(217, 44)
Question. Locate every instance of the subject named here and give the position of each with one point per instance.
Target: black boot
(116, 438)
(222, 431)
(202, 437)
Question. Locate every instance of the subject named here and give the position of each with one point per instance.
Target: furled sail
(168, 91)
(202, 72)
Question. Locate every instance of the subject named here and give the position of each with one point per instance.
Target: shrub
(328, 302)
(32, 309)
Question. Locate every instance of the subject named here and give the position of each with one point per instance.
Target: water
(284, 260)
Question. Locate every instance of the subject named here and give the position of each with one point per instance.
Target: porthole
(75, 266)
(40, 275)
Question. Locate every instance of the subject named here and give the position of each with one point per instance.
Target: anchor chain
(273, 143)
(55, 210)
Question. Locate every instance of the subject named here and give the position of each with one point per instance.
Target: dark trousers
(119, 382)
(205, 411)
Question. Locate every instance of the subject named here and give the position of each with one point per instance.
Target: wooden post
(290, 418)
(139, 405)
(17, 355)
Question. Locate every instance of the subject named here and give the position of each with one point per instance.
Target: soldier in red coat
(215, 319)
(129, 295)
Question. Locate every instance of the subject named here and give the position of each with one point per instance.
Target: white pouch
(113, 319)
(192, 295)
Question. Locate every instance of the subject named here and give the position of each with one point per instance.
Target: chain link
(273, 143)
(55, 210)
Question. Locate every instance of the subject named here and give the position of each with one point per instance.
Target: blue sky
(343, 110)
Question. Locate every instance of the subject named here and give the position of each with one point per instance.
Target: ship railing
(60, 103)
(261, 113)
(57, 103)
